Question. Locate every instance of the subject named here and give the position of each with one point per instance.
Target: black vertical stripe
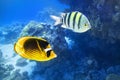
(65, 19)
(68, 21)
(79, 21)
(48, 53)
(74, 19)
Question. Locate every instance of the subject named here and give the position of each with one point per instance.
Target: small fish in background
(34, 48)
(75, 21)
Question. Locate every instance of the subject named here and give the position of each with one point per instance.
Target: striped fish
(75, 21)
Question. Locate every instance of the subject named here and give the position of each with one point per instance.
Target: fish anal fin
(63, 26)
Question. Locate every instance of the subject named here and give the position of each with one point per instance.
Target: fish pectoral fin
(63, 26)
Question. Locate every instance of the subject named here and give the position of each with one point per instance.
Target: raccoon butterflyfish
(34, 48)
(75, 21)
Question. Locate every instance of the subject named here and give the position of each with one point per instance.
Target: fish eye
(85, 24)
(48, 53)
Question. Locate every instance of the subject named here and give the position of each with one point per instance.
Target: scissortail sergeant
(75, 21)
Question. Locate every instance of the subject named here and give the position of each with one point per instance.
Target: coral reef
(13, 66)
(1, 54)
(52, 34)
(69, 65)
(80, 56)
(16, 75)
(31, 29)
(7, 74)
(21, 62)
(19, 65)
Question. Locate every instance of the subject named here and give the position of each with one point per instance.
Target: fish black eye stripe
(48, 53)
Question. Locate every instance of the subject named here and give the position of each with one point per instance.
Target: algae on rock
(113, 77)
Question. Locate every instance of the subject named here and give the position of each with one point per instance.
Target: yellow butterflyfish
(34, 48)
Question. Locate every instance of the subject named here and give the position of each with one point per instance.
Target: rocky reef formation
(21, 68)
(67, 64)
(12, 66)
(85, 59)
(21, 62)
(52, 34)
(113, 77)
(8, 71)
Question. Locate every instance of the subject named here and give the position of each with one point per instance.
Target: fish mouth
(55, 55)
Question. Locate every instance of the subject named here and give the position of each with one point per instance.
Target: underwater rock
(25, 76)
(116, 17)
(21, 62)
(108, 23)
(114, 69)
(68, 76)
(0, 53)
(96, 75)
(31, 29)
(113, 77)
(2, 70)
(9, 33)
(56, 36)
(53, 35)
(5, 71)
(9, 64)
(10, 67)
(15, 75)
(79, 76)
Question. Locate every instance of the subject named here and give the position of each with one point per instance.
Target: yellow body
(33, 48)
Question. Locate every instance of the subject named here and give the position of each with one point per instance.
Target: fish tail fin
(57, 20)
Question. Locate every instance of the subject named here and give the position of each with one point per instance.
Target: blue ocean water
(92, 55)
(25, 10)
